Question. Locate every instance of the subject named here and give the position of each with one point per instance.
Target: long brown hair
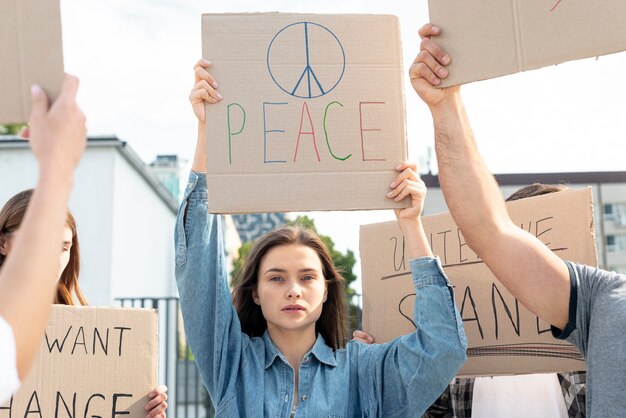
(11, 217)
(332, 323)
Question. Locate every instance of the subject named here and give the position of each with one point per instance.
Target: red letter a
(301, 132)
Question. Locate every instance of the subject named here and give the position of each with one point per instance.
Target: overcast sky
(135, 59)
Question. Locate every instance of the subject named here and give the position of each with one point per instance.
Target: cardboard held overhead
(492, 38)
(92, 362)
(313, 115)
(32, 53)
(504, 337)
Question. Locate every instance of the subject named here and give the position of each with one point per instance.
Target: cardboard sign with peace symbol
(313, 115)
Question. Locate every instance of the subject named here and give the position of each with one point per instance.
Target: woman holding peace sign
(278, 347)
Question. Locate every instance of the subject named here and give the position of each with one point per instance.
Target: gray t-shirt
(597, 327)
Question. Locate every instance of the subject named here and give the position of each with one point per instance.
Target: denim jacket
(249, 377)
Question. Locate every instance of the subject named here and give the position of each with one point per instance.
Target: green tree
(344, 263)
(238, 263)
(12, 129)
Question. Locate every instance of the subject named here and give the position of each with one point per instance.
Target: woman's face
(64, 258)
(291, 288)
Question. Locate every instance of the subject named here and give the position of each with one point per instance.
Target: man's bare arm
(528, 269)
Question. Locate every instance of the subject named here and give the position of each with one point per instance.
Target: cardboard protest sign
(491, 38)
(504, 337)
(93, 362)
(32, 53)
(313, 115)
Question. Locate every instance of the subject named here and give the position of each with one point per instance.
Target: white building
(125, 218)
(609, 196)
(171, 172)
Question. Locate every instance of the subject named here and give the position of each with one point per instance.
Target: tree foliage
(13, 129)
(239, 262)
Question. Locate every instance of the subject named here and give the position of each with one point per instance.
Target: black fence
(187, 396)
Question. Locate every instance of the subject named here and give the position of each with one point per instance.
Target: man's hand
(429, 68)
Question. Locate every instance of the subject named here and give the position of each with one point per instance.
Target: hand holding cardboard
(311, 103)
(504, 337)
(492, 38)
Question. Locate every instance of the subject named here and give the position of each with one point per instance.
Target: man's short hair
(535, 189)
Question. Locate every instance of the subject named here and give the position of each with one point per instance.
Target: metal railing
(187, 396)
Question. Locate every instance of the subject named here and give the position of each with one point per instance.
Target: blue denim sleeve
(211, 322)
(412, 371)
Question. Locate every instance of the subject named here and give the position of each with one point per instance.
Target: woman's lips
(293, 308)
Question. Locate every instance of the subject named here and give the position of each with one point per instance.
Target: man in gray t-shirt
(597, 325)
(587, 304)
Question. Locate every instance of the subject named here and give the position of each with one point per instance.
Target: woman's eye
(308, 277)
(276, 279)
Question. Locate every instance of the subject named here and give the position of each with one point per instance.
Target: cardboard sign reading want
(94, 362)
(313, 114)
(504, 337)
(32, 51)
(491, 38)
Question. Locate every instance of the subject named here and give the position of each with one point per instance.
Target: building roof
(10, 142)
(522, 179)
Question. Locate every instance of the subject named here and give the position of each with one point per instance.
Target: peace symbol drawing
(306, 60)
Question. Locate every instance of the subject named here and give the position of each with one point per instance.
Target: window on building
(615, 212)
(611, 244)
(618, 269)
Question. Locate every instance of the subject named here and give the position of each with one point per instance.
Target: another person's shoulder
(594, 277)
(601, 292)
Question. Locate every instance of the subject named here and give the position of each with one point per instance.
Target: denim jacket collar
(322, 352)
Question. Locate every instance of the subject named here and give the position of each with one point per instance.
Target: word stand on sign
(504, 337)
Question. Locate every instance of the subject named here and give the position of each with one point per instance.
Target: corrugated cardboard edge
(452, 81)
(234, 14)
(154, 324)
(592, 224)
